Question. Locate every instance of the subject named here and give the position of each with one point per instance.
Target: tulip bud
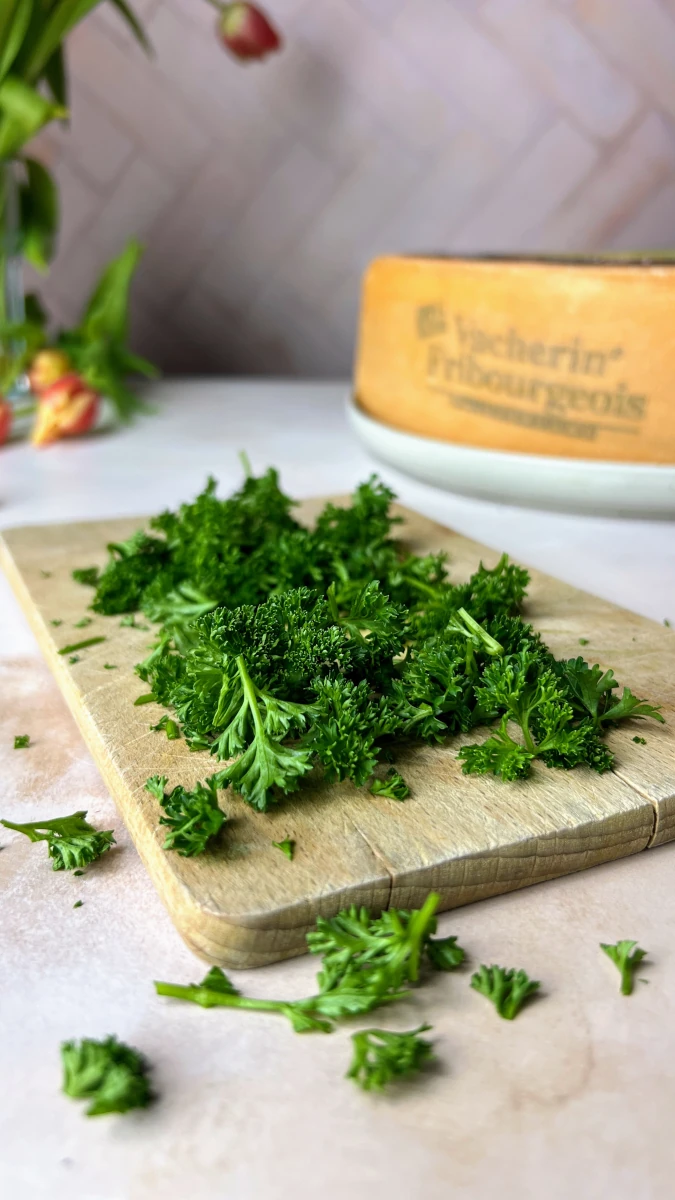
(246, 32)
(46, 368)
(65, 409)
(6, 414)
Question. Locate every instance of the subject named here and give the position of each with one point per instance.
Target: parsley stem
(250, 694)
(94, 641)
(210, 998)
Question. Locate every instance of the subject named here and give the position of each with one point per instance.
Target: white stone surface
(574, 1098)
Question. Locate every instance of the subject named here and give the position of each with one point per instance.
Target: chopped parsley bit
(110, 666)
(282, 649)
(508, 990)
(287, 847)
(74, 658)
(78, 904)
(367, 962)
(393, 786)
(78, 872)
(56, 621)
(94, 641)
(130, 622)
(71, 841)
(45, 574)
(194, 818)
(380, 1056)
(114, 1077)
(170, 728)
(640, 741)
(148, 698)
(627, 959)
(583, 641)
(86, 575)
(21, 741)
(667, 623)
(83, 622)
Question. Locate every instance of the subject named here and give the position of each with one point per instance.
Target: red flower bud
(47, 367)
(6, 414)
(246, 32)
(65, 409)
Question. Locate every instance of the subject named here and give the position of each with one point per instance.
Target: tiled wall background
(262, 191)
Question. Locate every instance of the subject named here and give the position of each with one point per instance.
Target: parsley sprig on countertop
(283, 649)
(367, 962)
(113, 1077)
(626, 956)
(193, 817)
(380, 1056)
(72, 842)
(507, 989)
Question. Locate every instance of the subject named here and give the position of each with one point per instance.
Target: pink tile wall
(261, 192)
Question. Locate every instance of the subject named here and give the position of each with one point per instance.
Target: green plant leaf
(62, 18)
(14, 21)
(106, 314)
(39, 201)
(129, 16)
(25, 112)
(56, 77)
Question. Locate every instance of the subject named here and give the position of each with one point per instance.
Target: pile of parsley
(283, 650)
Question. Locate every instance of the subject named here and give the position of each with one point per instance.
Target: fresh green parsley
(71, 841)
(507, 989)
(393, 786)
(626, 956)
(282, 649)
(82, 623)
(367, 962)
(380, 1057)
(287, 847)
(56, 622)
(148, 698)
(74, 658)
(583, 641)
(168, 726)
(110, 666)
(93, 641)
(111, 1076)
(193, 817)
(130, 622)
(668, 624)
(45, 574)
(78, 904)
(21, 741)
(640, 740)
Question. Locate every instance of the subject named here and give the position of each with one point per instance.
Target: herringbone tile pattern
(261, 192)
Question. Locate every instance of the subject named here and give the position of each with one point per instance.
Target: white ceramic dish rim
(531, 480)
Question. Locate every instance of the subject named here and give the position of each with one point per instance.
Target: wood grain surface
(244, 904)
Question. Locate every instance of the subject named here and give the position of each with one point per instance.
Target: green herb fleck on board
(56, 622)
(170, 728)
(86, 575)
(193, 817)
(507, 989)
(393, 786)
(287, 847)
(626, 958)
(46, 574)
(78, 904)
(82, 623)
(111, 1076)
(74, 658)
(110, 666)
(668, 624)
(583, 641)
(130, 622)
(640, 741)
(148, 698)
(380, 1057)
(73, 646)
(78, 872)
(21, 741)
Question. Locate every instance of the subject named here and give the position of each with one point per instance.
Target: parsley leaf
(193, 817)
(627, 956)
(393, 786)
(507, 989)
(111, 1076)
(21, 741)
(71, 841)
(287, 847)
(380, 1056)
(93, 641)
(170, 728)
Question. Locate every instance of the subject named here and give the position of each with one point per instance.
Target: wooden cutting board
(245, 904)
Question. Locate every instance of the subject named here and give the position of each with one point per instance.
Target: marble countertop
(574, 1098)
